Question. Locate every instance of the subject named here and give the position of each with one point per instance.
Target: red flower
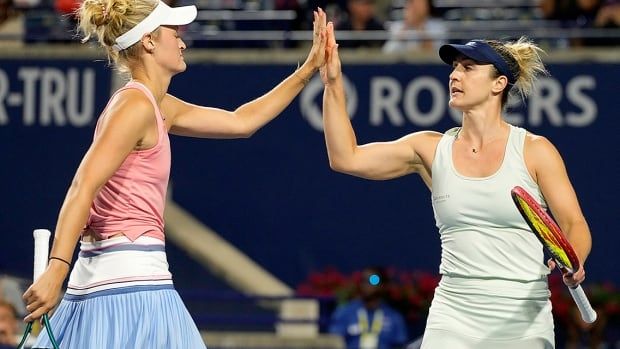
(411, 292)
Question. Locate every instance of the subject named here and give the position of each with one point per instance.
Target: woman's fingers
(575, 278)
(570, 278)
(319, 39)
(37, 308)
(318, 24)
(35, 315)
(315, 22)
(39, 299)
(331, 34)
(33, 306)
(551, 264)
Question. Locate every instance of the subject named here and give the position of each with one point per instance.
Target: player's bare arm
(558, 191)
(385, 160)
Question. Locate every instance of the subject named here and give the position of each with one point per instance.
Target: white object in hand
(41, 251)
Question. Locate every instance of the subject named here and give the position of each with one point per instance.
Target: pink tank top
(132, 201)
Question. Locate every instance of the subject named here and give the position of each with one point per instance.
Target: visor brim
(180, 15)
(161, 15)
(448, 53)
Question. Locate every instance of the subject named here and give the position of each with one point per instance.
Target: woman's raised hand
(316, 57)
(331, 70)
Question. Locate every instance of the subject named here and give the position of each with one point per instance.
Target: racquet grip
(41, 251)
(583, 304)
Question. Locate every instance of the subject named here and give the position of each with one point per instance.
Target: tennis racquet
(41, 251)
(556, 244)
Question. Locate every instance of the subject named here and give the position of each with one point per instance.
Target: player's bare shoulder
(422, 139)
(423, 144)
(537, 145)
(539, 154)
(129, 110)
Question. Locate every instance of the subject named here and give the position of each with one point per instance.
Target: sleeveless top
(482, 233)
(132, 201)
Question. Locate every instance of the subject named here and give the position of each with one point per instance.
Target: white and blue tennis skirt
(120, 295)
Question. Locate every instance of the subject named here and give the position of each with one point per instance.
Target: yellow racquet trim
(546, 234)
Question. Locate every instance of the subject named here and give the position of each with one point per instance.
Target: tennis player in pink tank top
(120, 292)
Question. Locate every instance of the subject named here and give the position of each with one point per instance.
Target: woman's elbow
(245, 130)
(341, 166)
(247, 133)
(336, 166)
(239, 132)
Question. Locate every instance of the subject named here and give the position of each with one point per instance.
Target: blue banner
(48, 109)
(273, 195)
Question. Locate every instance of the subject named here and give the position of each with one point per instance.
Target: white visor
(161, 15)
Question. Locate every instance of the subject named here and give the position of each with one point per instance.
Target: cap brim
(448, 53)
(161, 15)
(180, 15)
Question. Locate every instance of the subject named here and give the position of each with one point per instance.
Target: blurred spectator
(608, 16)
(312, 5)
(9, 325)
(68, 20)
(383, 9)
(361, 16)
(582, 335)
(301, 21)
(11, 23)
(572, 14)
(7, 10)
(417, 29)
(368, 322)
(334, 9)
(222, 5)
(67, 7)
(286, 4)
(11, 290)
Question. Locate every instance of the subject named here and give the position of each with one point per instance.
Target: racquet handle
(41, 251)
(587, 313)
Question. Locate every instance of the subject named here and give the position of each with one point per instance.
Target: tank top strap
(159, 116)
(132, 84)
(514, 148)
(443, 152)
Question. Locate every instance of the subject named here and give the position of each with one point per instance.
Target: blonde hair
(106, 20)
(523, 58)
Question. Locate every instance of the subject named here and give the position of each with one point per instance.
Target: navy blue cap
(480, 51)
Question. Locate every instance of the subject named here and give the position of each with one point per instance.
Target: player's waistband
(119, 265)
(531, 289)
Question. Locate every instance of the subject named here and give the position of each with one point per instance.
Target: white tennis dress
(493, 292)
